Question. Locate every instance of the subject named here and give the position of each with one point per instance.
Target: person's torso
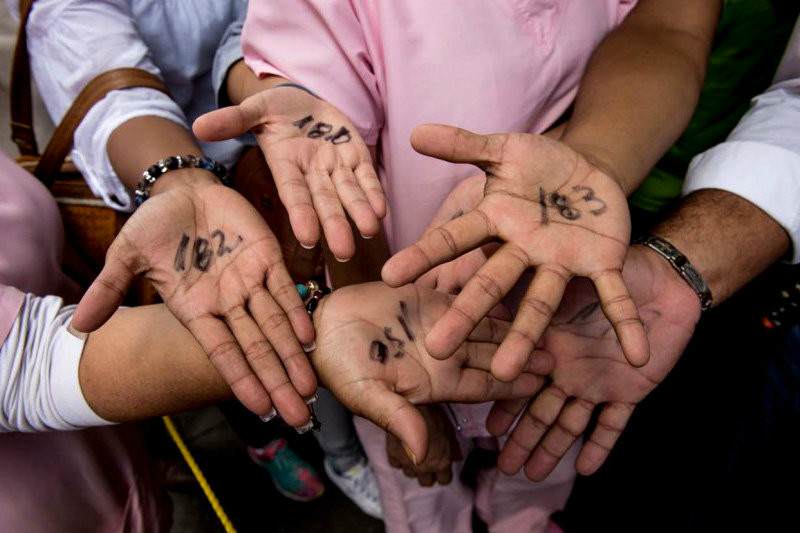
(502, 66)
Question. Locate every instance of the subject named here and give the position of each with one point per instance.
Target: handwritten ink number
(562, 204)
(202, 253)
(590, 198)
(319, 130)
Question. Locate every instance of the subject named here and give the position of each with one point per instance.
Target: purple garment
(91, 480)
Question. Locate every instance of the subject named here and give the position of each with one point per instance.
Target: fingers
(483, 292)
(457, 145)
(264, 362)
(224, 353)
(395, 415)
(283, 290)
(569, 426)
(490, 329)
(612, 420)
(479, 386)
(232, 121)
(104, 295)
(331, 215)
(444, 476)
(479, 355)
(531, 428)
(274, 326)
(437, 246)
(295, 196)
(371, 185)
(503, 414)
(535, 311)
(355, 201)
(623, 315)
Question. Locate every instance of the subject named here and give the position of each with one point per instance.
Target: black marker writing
(378, 351)
(403, 319)
(202, 253)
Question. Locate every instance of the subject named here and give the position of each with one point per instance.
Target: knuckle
(223, 351)
(538, 305)
(447, 238)
(489, 286)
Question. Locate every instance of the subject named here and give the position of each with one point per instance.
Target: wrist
(183, 177)
(665, 277)
(684, 271)
(598, 157)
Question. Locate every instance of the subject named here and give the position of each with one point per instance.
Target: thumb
(457, 145)
(397, 416)
(104, 296)
(232, 121)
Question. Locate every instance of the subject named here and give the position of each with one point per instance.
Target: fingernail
(410, 454)
(305, 428)
(313, 399)
(342, 260)
(269, 416)
(310, 347)
(366, 237)
(308, 247)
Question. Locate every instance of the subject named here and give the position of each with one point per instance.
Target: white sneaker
(359, 484)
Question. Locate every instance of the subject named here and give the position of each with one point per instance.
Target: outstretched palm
(219, 269)
(370, 354)
(553, 211)
(591, 370)
(320, 164)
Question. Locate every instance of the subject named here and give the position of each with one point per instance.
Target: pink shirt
(90, 480)
(500, 66)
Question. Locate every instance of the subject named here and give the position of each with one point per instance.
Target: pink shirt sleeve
(321, 45)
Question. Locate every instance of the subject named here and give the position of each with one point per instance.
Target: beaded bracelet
(176, 162)
(311, 293)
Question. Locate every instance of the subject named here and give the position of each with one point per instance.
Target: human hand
(452, 276)
(370, 355)
(443, 450)
(219, 269)
(553, 211)
(591, 370)
(321, 166)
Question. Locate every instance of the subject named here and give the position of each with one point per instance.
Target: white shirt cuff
(66, 390)
(764, 174)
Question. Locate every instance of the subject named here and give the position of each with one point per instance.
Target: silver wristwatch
(682, 265)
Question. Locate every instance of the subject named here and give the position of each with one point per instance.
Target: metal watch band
(175, 162)
(682, 265)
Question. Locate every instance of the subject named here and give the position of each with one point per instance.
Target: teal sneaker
(292, 477)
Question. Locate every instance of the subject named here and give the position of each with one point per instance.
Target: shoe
(359, 484)
(292, 477)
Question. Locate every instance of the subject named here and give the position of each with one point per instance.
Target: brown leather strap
(61, 141)
(20, 90)
(22, 109)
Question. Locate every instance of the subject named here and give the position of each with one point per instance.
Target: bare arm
(143, 363)
(641, 87)
(728, 239)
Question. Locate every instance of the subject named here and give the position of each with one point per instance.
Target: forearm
(144, 363)
(641, 87)
(728, 239)
(154, 138)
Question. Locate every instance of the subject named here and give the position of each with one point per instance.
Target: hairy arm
(727, 238)
(641, 87)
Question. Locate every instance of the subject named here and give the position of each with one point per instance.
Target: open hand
(591, 370)
(321, 166)
(370, 355)
(553, 212)
(219, 269)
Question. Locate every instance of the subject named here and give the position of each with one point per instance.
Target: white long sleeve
(39, 359)
(72, 41)
(760, 160)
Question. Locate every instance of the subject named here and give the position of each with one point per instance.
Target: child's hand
(321, 165)
(370, 353)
